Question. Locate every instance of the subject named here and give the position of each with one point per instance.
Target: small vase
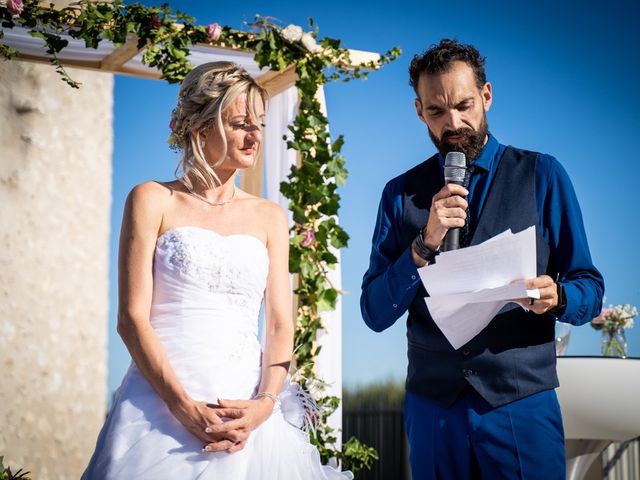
(613, 343)
(563, 332)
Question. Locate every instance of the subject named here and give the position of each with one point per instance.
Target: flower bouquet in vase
(611, 322)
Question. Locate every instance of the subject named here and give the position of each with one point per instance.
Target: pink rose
(15, 7)
(308, 238)
(213, 32)
(155, 21)
(599, 320)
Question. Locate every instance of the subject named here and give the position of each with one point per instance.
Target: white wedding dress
(207, 293)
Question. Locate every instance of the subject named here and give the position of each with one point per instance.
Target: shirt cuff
(575, 311)
(404, 278)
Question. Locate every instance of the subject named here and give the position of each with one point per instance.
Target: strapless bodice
(207, 293)
(194, 264)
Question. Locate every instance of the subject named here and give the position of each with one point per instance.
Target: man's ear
(418, 104)
(487, 96)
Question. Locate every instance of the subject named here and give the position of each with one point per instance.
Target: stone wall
(55, 197)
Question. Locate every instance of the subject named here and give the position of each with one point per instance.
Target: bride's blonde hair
(206, 92)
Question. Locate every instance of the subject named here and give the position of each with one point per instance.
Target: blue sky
(565, 78)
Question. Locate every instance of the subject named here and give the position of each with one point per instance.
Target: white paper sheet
(469, 286)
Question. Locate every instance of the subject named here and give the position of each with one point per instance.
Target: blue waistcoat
(514, 356)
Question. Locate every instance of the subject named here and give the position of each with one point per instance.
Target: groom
(487, 409)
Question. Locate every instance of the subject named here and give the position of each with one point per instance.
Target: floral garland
(312, 185)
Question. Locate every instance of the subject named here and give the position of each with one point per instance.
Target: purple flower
(308, 238)
(155, 21)
(213, 32)
(15, 7)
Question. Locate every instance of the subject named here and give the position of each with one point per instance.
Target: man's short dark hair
(440, 58)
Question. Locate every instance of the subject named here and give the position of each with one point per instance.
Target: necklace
(206, 200)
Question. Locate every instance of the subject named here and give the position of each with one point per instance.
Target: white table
(600, 402)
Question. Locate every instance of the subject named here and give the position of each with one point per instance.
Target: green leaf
(327, 299)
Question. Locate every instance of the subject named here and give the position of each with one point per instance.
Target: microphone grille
(455, 167)
(455, 159)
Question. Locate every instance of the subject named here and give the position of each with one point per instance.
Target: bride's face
(242, 128)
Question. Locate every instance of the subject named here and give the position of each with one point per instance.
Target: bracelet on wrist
(422, 250)
(268, 395)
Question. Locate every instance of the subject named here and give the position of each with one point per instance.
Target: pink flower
(155, 21)
(172, 123)
(15, 7)
(308, 238)
(599, 320)
(213, 32)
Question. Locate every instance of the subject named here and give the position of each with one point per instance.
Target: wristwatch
(422, 250)
(559, 309)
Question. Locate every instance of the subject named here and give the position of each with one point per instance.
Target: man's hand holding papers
(469, 286)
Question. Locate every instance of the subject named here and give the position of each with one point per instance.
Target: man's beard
(471, 145)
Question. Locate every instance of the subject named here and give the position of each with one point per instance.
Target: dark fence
(382, 429)
(621, 461)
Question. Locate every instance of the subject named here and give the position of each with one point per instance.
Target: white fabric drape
(278, 161)
(329, 365)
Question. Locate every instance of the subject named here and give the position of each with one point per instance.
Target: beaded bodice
(207, 293)
(231, 268)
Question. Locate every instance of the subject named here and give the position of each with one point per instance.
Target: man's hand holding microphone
(448, 211)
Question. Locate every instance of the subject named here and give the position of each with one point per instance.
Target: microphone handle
(452, 239)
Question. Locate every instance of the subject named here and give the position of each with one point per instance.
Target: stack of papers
(469, 286)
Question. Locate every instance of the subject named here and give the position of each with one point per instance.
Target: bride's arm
(279, 330)
(140, 226)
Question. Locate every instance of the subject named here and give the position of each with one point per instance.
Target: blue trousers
(471, 440)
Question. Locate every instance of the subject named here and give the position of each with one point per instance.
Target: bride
(197, 256)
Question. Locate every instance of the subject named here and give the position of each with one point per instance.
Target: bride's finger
(220, 446)
(230, 412)
(236, 436)
(237, 446)
(237, 424)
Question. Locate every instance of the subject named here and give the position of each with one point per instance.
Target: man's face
(454, 110)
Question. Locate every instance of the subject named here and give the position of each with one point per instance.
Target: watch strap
(422, 250)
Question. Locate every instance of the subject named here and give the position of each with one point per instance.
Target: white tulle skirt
(142, 440)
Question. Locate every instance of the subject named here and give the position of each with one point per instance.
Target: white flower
(309, 43)
(292, 33)
(3, 3)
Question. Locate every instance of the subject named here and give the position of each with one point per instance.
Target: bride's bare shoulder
(154, 190)
(149, 200)
(153, 193)
(262, 208)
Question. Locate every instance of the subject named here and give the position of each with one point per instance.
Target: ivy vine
(312, 185)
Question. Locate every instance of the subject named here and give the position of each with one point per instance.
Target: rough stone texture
(55, 196)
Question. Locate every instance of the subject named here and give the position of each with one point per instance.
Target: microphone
(455, 171)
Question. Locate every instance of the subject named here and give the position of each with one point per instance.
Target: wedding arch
(302, 173)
